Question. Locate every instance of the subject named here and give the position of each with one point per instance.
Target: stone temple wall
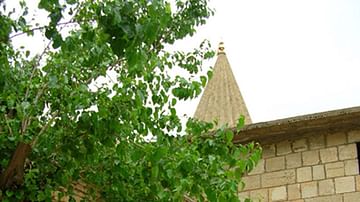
(307, 168)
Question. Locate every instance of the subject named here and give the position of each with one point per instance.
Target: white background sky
(289, 57)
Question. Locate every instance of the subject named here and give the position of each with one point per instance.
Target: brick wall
(308, 168)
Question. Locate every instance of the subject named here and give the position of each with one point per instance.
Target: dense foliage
(56, 130)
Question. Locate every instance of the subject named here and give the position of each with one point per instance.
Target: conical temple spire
(222, 100)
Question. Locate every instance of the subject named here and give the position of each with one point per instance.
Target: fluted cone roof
(222, 100)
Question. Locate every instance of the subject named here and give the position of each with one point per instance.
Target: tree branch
(40, 28)
(44, 128)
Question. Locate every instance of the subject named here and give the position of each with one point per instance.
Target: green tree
(49, 135)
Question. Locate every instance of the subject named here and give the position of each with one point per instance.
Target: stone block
(333, 139)
(316, 141)
(243, 195)
(354, 136)
(347, 152)
(278, 193)
(328, 155)
(309, 189)
(303, 174)
(300, 145)
(259, 195)
(326, 187)
(310, 157)
(334, 169)
(259, 168)
(351, 197)
(345, 184)
(283, 148)
(318, 172)
(357, 179)
(251, 182)
(333, 198)
(294, 191)
(268, 151)
(351, 167)
(293, 160)
(278, 178)
(275, 163)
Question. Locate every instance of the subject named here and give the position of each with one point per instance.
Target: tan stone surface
(351, 167)
(259, 168)
(294, 191)
(268, 150)
(334, 169)
(347, 152)
(326, 187)
(329, 155)
(354, 136)
(333, 198)
(293, 160)
(243, 195)
(345, 184)
(251, 182)
(303, 174)
(352, 197)
(300, 145)
(278, 178)
(222, 99)
(275, 163)
(260, 195)
(309, 189)
(310, 157)
(278, 193)
(318, 172)
(336, 139)
(357, 179)
(316, 141)
(283, 148)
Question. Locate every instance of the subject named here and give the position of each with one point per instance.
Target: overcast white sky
(290, 57)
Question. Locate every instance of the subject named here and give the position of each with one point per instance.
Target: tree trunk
(14, 173)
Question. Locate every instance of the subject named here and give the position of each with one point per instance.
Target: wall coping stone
(283, 129)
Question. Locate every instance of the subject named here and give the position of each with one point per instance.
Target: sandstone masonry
(307, 168)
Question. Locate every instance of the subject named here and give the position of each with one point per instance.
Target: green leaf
(173, 102)
(229, 135)
(57, 40)
(53, 81)
(211, 195)
(240, 123)
(209, 74)
(203, 80)
(158, 154)
(45, 4)
(154, 171)
(167, 8)
(71, 2)
(9, 193)
(11, 138)
(49, 32)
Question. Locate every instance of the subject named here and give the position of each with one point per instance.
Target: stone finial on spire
(221, 49)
